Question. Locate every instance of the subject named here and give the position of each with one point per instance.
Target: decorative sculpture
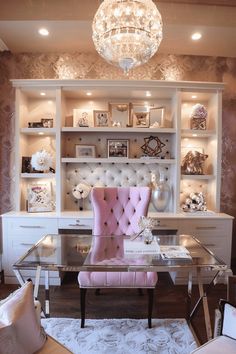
(152, 146)
(192, 163)
(198, 117)
(194, 202)
(80, 192)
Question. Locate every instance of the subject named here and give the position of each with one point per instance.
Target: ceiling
(69, 23)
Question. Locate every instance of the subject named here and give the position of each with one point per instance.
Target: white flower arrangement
(199, 111)
(41, 161)
(81, 191)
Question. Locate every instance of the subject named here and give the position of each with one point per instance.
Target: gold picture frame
(120, 114)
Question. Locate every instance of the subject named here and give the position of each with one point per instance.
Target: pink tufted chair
(117, 212)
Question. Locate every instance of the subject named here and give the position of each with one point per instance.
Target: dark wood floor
(169, 301)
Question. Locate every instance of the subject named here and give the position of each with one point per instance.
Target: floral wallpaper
(91, 66)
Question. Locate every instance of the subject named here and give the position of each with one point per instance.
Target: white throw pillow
(20, 331)
(229, 321)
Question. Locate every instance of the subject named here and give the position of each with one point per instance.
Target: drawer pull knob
(27, 244)
(77, 225)
(205, 227)
(31, 226)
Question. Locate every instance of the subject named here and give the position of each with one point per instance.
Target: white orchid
(41, 160)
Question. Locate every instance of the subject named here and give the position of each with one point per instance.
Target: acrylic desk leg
(19, 276)
(37, 280)
(190, 283)
(47, 295)
(203, 296)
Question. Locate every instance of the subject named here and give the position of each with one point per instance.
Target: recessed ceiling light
(43, 31)
(148, 94)
(194, 96)
(194, 135)
(89, 93)
(42, 94)
(196, 36)
(41, 133)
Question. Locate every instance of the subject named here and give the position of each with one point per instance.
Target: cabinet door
(21, 234)
(75, 224)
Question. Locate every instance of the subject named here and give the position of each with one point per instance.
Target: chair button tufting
(128, 222)
(117, 222)
(105, 223)
(111, 210)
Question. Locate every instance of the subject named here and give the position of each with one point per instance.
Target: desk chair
(117, 212)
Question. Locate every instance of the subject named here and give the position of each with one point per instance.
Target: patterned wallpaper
(91, 66)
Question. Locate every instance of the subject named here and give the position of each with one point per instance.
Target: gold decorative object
(198, 123)
(152, 146)
(198, 117)
(192, 163)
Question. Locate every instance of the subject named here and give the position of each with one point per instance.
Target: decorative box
(198, 123)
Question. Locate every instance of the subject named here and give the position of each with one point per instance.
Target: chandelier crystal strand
(127, 33)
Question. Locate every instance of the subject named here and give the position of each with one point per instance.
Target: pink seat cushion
(117, 279)
(20, 331)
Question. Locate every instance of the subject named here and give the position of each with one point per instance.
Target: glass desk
(69, 252)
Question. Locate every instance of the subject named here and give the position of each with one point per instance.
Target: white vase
(161, 194)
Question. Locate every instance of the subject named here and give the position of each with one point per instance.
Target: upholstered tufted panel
(117, 210)
(110, 175)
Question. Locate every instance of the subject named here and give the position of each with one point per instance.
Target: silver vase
(161, 194)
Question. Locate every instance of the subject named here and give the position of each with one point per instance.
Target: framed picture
(157, 117)
(47, 122)
(39, 196)
(120, 114)
(82, 117)
(118, 148)
(35, 125)
(26, 165)
(85, 150)
(101, 118)
(141, 119)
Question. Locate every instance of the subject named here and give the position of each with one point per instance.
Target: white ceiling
(69, 23)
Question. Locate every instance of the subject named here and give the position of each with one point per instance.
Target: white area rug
(122, 336)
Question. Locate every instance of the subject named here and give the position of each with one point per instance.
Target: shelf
(37, 175)
(198, 177)
(190, 133)
(118, 130)
(116, 160)
(37, 131)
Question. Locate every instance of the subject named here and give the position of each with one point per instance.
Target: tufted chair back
(117, 210)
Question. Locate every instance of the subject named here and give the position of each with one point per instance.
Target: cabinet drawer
(165, 224)
(206, 227)
(32, 226)
(75, 223)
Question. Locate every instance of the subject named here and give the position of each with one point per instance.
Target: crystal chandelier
(127, 33)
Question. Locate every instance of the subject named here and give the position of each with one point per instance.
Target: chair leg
(82, 306)
(97, 292)
(140, 292)
(150, 306)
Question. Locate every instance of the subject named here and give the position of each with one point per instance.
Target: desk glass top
(73, 252)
